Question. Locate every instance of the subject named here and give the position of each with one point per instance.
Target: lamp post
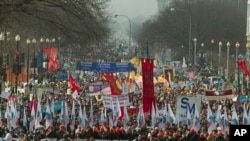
(53, 40)
(41, 54)
(211, 57)
(237, 45)
(195, 43)
(220, 45)
(189, 30)
(247, 59)
(47, 41)
(28, 58)
(34, 45)
(129, 42)
(228, 47)
(17, 38)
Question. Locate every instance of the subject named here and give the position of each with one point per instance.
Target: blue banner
(104, 66)
(243, 98)
(62, 76)
(39, 61)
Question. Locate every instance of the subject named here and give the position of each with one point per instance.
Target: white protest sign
(185, 103)
(123, 100)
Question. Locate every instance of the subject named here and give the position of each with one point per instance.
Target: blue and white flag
(235, 120)
(80, 117)
(171, 115)
(84, 118)
(32, 119)
(39, 115)
(219, 119)
(25, 122)
(125, 118)
(245, 117)
(153, 116)
(225, 121)
(48, 116)
(196, 119)
(72, 117)
(140, 118)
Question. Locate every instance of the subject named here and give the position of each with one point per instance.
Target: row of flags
(163, 119)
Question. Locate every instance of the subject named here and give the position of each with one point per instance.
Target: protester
(57, 127)
(8, 136)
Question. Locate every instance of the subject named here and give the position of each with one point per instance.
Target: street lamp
(211, 57)
(247, 59)
(59, 39)
(17, 38)
(47, 41)
(53, 40)
(28, 59)
(189, 31)
(41, 54)
(129, 42)
(220, 45)
(195, 43)
(228, 47)
(237, 45)
(34, 45)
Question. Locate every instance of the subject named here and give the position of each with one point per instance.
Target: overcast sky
(134, 8)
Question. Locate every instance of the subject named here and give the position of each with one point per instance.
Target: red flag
(243, 66)
(112, 82)
(148, 83)
(73, 83)
(52, 58)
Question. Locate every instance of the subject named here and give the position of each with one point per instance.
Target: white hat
(218, 128)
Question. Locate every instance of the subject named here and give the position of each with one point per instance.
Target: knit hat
(192, 130)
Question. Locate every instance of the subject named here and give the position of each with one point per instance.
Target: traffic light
(5, 59)
(22, 59)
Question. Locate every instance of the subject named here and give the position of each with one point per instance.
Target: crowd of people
(98, 131)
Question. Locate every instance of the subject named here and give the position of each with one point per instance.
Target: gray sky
(134, 8)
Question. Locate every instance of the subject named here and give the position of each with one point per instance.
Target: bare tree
(184, 20)
(76, 20)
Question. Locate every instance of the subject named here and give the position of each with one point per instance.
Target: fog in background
(136, 10)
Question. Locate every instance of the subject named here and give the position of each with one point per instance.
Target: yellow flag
(118, 84)
(133, 61)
